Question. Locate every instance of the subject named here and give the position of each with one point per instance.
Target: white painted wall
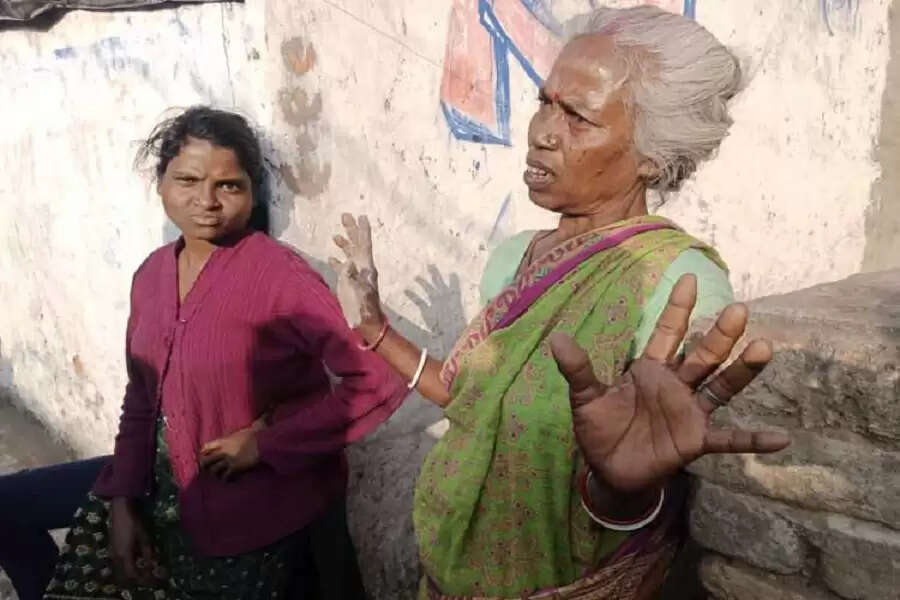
(348, 93)
(785, 200)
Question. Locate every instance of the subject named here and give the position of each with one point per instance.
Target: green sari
(497, 509)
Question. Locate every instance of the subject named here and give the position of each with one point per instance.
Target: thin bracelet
(612, 523)
(366, 346)
(415, 380)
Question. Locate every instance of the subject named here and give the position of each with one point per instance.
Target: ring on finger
(706, 392)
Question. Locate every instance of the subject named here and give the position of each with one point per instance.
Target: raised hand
(655, 418)
(357, 286)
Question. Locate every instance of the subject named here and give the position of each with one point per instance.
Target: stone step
(834, 384)
(732, 580)
(821, 519)
(837, 364)
(849, 557)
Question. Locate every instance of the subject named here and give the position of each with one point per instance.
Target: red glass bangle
(365, 346)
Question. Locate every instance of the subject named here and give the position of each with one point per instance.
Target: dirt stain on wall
(298, 57)
(306, 173)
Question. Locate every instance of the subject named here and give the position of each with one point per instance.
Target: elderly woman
(527, 495)
(228, 468)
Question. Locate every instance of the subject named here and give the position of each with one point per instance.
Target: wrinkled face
(581, 140)
(206, 192)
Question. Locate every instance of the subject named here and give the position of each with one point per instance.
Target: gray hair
(679, 78)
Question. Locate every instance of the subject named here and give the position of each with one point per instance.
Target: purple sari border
(530, 295)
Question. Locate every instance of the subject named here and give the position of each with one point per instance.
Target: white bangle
(624, 526)
(422, 360)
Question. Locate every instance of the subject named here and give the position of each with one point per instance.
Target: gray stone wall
(821, 519)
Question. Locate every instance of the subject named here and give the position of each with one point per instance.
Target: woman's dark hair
(220, 128)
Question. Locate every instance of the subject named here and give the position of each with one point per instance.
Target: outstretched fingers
(672, 324)
(734, 378)
(739, 441)
(715, 347)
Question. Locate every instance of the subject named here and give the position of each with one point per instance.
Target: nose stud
(551, 140)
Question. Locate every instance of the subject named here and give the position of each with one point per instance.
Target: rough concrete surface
(839, 364)
(818, 473)
(852, 558)
(823, 514)
(747, 528)
(380, 504)
(860, 560)
(834, 383)
(730, 580)
(24, 444)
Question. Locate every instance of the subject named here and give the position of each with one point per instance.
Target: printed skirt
(85, 569)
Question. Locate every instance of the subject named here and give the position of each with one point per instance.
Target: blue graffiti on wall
(839, 10)
(487, 120)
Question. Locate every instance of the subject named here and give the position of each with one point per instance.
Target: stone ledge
(815, 473)
(859, 559)
(837, 363)
(746, 528)
(732, 580)
(854, 559)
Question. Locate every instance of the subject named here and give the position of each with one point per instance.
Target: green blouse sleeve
(502, 264)
(714, 293)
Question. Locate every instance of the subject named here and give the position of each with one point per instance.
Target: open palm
(655, 418)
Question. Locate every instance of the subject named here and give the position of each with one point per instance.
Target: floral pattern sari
(497, 509)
